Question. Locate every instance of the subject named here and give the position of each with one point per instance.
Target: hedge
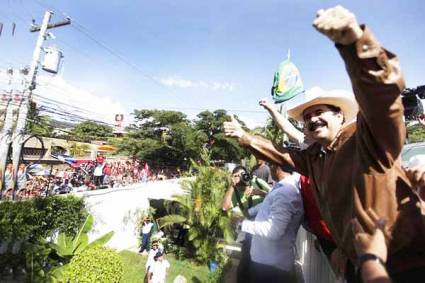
(98, 264)
(26, 225)
(41, 217)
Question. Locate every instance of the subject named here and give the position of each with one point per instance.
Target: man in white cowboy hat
(354, 168)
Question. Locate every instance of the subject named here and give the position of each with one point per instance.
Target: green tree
(38, 124)
(272, 132)
(89, 130)
(78, 149)
(161, 137)
(222, 148)
(200, 208)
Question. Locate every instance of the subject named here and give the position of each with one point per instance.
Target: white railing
(315, 265)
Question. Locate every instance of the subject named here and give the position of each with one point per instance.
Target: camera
(411, 98)
(245, 180)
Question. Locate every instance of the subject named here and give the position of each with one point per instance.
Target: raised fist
(339, 24)
(264, 103)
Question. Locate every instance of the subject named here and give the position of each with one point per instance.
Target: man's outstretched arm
(376, 79)
(266, 148)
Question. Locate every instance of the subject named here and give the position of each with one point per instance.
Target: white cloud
(184, 83)
(91, 106)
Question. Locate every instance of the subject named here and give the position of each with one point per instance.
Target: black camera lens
(245, 180)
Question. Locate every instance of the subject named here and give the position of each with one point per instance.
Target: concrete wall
(116, 209)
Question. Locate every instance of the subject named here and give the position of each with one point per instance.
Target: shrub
(98, 264)
(26, 225)
(41, 217)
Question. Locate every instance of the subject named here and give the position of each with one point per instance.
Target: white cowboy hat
(315, 96)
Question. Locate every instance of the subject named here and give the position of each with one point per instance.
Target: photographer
(243, 193)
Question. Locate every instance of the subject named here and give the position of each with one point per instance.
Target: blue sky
(193, 55)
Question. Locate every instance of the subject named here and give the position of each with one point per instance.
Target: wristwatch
(366, 257)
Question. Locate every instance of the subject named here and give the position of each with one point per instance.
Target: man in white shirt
(150, 261)
(274, 230)
(146, 235)
(159, 269)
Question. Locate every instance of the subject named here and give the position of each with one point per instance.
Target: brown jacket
(361, 169)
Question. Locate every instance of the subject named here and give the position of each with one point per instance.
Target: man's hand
(233, 128)
(267, 105)
(339, 24)
(365, 243)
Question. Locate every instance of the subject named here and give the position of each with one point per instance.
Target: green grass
(134, 268)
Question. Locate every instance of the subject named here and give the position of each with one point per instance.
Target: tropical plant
(97, 264)
(200, 208)
(67, 247)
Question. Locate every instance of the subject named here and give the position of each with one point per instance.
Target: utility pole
(19, 135)
(5, 138)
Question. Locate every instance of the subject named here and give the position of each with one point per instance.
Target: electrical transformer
(52, 59)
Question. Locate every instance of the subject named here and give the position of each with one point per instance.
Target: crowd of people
(343, 181)
(91, 175)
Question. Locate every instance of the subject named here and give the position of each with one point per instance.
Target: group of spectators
(343, 181)
(95, 174)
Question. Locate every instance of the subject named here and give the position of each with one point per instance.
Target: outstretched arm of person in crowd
(284, 125)
(372, 251)
(376, 79)
(266, 148)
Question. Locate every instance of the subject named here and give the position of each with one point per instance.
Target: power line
(64, 131)
(206, 109)
(114, 53)
(82, 29)
(56, 102)
(69, 115)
